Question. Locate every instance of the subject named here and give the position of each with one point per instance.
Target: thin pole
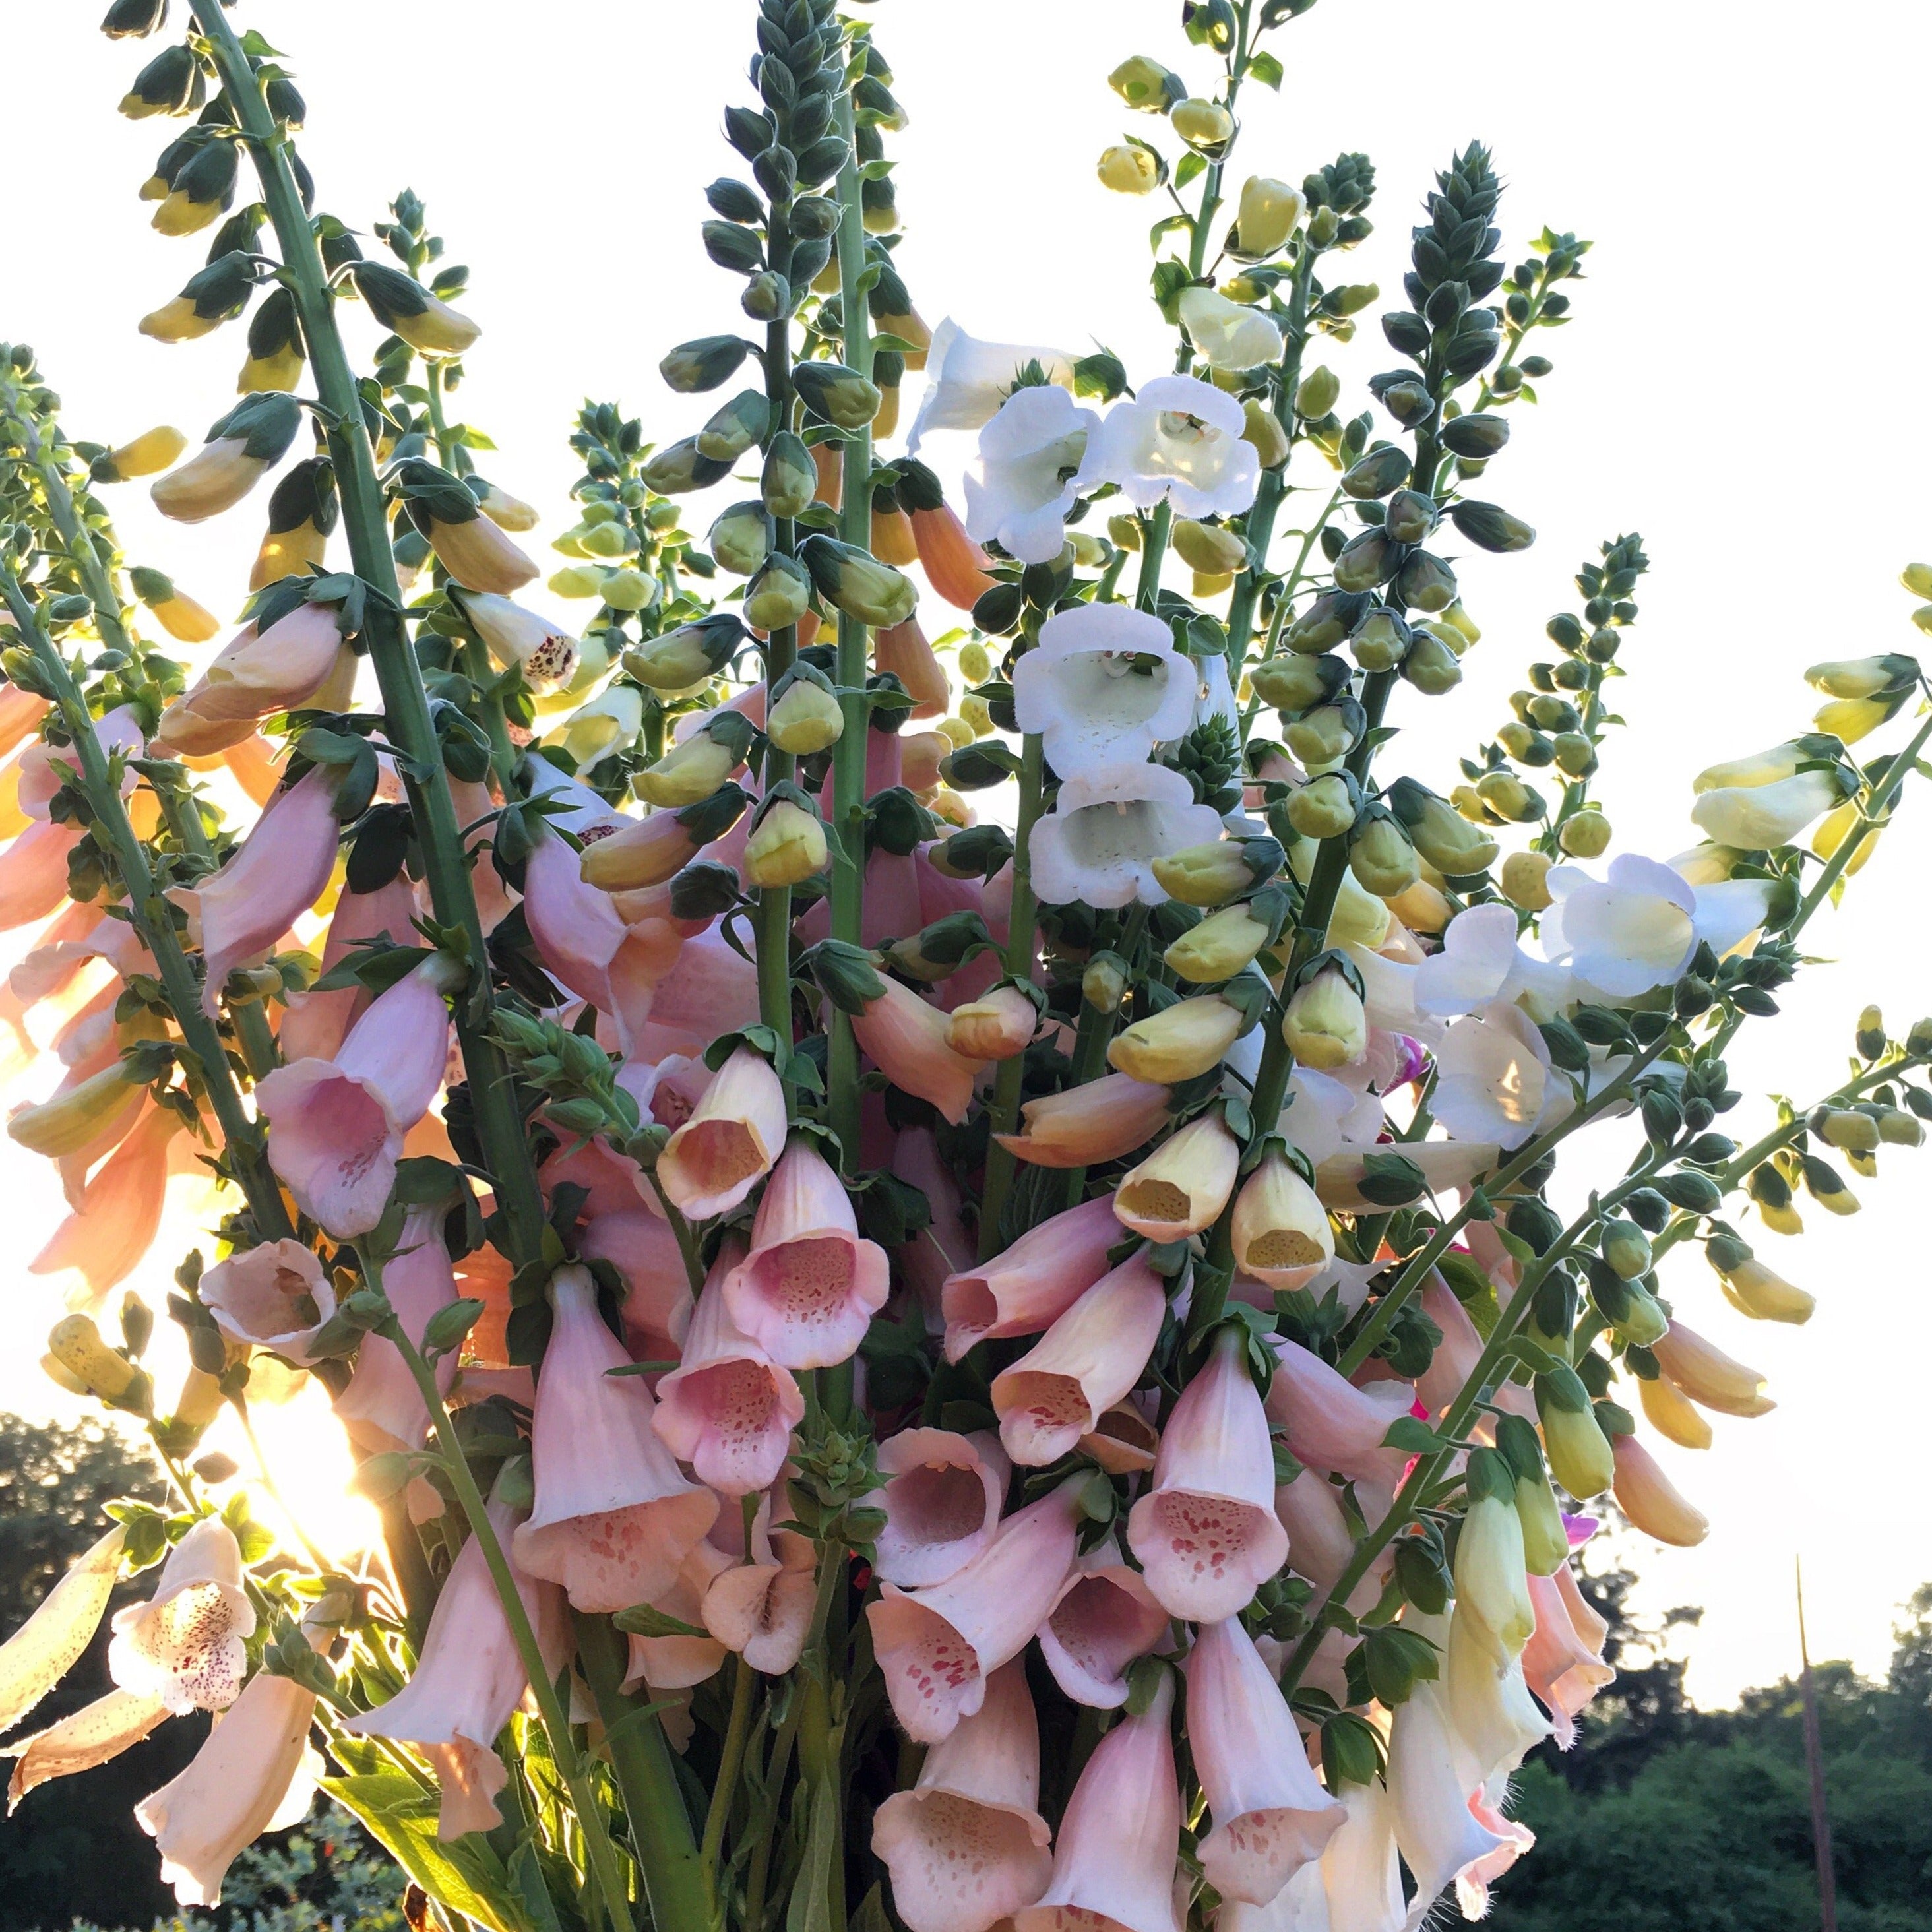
(1814, 1763)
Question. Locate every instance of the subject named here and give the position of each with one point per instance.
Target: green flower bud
(1431, 666)
(1489, 527)
(1377, 473)
(766, 296)
(1523, 877)
(1443, 837)
(689, 655)
(1262, 428)
(1525, 745)
(1917, 578)
(1382, 858)
(1320, 389)
(1509, 797)
(1326, 807)
(1627, 1248)
(1223, 944)
(857, 583)
(1579, 1451)
(1327, 621)
(692, 368)
(1475, 438)
(1862, 677)
(1205, 125)
(841, 396)
(1297, 683)
(1576, 756)
(1270, 211)
(734, 429)
(739, 538)
(1380, 641)
(790, 478)
(1366, 561)
(1103, 985)
(1425, 583)
(778, 596)
(1584, 834)
(1410, 516)
(1207, 547)
(680, 466)
(1325, 1023)
(1327, 734)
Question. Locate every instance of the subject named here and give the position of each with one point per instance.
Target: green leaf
(466, 1876)
(1188, 168)
(644, 1621)
(1266, 69)
(1411, 1434)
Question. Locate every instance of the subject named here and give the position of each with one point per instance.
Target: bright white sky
(563, 154)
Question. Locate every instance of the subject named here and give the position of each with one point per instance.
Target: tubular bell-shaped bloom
(941, 1499)
(187, 1645)
(468, 1679)
(274, 1297)
(1081, 1127)
(1271, 1816)
(1181, 1187)
(1563, 1662)
(1330, 1424)
(119, 1213)
(1104, 686)
(1026, 1288)
(762, 1608)
(278, 871)
(613, 1518)
(1493, 1080)
(93, 1734)
(1105, 1617)
(1651, 1500)
(1280, 1229)
(1700, 1369)
(810, 1286)
(41, 1652)
(1021, 485)
(1180, 439)
(967, 1845)
(1430, 1777)
(1226, 335)
(728, 1408)
(382, 1409)
(316, 1023)
(1206, 1532)
(937, 1647)
(1109, 823)
(256, 1773)
(733, 1135)
(1113, 1865)
(336, 1126)
(966, 380)
(1084, 1364)
(910, 1040)
(1480, 963)
(280, 669)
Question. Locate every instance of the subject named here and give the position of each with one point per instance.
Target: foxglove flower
(762, 1607)
(613, 1518)
(1026, 1288)
(1113, 1865)
(1021, 487)
(941, 1499)
(1330, 1424)
(1480, 963)
(1206, 1532)
(1082, 1127)
(1563, 1662)
(1280, 1229)
(1494, 1081)
(910, 1040)
(809, 1289)
(966, 379)
(1651, 1501)
(966, 1847)
(1749, 818)
(274, 1297)
(1103, 686)
(41, 1652)
(936, 1647)
(382, 1409)
(1226, 335)
(1109, 823)
(1105, 1617)
(188, 1644)
(729, 1142)
(1084, 1364)
(1180, 439)
(1182, 1186)
(468, 1679)
(1271, 1816)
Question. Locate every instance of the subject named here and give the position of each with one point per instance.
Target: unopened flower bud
(840, 395)
(1523, 879)
(1130, 170)
(1207, 547)
(1262, 428)
(1269, 212)
(1757, 1291)
(689, 772)
(68, 1121)
(857, 583)
(1627, 1248)
(1510, 797)
(1147, 85)
(1425, 583)
(1431, 666)
(786, 846)
(687, 656)
(1443, 836)
(779, 595)
(1584, 834)
(997, 1026)
(739, 538)
(1296, 682)
(1210, 874)
(1325, 735)
(1380, 641)
(630, 590)
(405, 307)
(806, 719)
(1579, 1452)
(1325, 1024)
(1845, 1128)
(1223, 945)
(76, 1344)
(1381, 856)
(1204, 125)
(1103, 986)
(734, 429)
(1180, 1042)
(1320, 389)
(1897, 1128)
(147, 455)
(789, 479)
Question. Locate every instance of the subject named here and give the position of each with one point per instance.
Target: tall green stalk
(405, 703)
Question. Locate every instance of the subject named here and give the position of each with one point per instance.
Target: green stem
(677, 1882)
(405, 704)
(152, 918)
(605, 1868)
(1009, 1084)
(848, 760)
(1153, 553)
(737, 1733)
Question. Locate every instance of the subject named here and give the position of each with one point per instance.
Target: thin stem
(737, 1733)
(405, 703)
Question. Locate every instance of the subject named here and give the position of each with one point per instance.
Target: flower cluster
(945, 1241)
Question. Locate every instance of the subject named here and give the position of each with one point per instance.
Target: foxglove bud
(1180, 1042)
(859, 584)
(1325, 1024)
(1145, 84)
(1298, 683)
(1584, 834)
(1269, 212)
(739, 539)
(150, 453)
(778, 596)
(1579, 1454)
(687, 655)
(806, 718)
(1223, 944)
(1456, 848)
(734, 428)
(1381, 856)
(1326, 807)
(1206, 126)
(1425, 583)
(1431, 666)
(840, 395)
(1127, 168)
(695, 367)
(1262, 428)
(405, 308)
(790, 478)
(76, 1344)
(1210, 874)
(1327, 734)
(786, 846)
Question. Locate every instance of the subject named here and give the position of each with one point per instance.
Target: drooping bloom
(1493, 1079)
(274, 1297)
(468, 1679)
(106, 1238)
(1751, 817)
(1280, 1229)
(736, 1132)
(187, 1645)
(910, 1040)
(966, 379)
(810, 1286)
(1431, 1779)
(1330, 1424)
(997, 1026)
(95, 1734)
(256, 1773)
(937, 1647)
(1702, 1370)
(1651, 1500)
(680, 1659)
(278, 871)
(382, 1409)
(1084, 1364)
(1105, 1617)
(1028, 1287)
(1109, 823)
(903, 650)
(1480, 962)
(762, 1607)
(966, 1847)
(728, 1408)
(1320, 1541)
(1225, 334)
(941, 1497)
(336, 1126)
(41, 1652)
(1104, 685)
(1180, 439)
(256, 674)
(1206, 1532)
(315, 1023)
(1563, 1662)
(546, 654)
(1181, 1187)
(1082, 1127)
(1113, 1865)
(613, 1518)
(33, 873)
(1021, 486)
(943, 1245)
(1271, 1816)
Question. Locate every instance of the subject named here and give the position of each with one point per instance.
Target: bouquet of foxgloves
(963, 1252)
